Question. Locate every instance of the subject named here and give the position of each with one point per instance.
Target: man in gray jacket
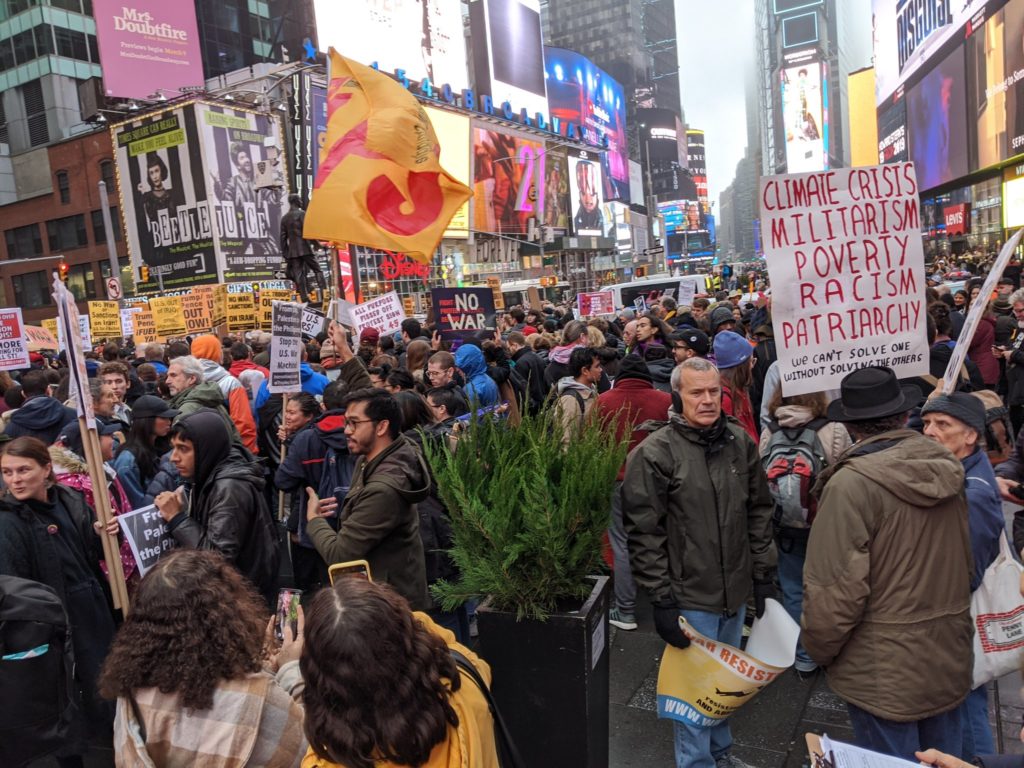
(698, 518)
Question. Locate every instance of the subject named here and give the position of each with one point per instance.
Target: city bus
(517, 291)
(651, 288)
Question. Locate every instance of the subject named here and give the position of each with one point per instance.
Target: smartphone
(357, 568)
(287, 611)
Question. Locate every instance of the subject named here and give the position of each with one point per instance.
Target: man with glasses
(377, 519)
(689, 342)
(441, 369)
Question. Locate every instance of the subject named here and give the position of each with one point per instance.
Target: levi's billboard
(147, 46)
(958, 219)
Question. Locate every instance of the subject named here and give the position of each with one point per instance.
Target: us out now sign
(463, 311)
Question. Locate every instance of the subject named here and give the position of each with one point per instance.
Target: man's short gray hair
(1017, 297)
(190, 366)
(695, 364)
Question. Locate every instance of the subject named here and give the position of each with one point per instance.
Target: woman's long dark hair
(195, 621)
(378, 682)
(141, 441)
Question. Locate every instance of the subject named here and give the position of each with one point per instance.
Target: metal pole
(115, 269)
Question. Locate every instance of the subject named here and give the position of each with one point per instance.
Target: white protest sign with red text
(13, 348)
(385, 313)
(844, 255)
(598, 303)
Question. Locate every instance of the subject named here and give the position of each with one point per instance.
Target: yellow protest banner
(104, 320)
(267, 298)
(220, 304)
(197, 306)
(169, 315)
(144, 327)
(50, 324)
(708, 681)
(241, 312)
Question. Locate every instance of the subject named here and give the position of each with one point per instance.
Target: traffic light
(144, 273)
(640, 271)
(62, 271)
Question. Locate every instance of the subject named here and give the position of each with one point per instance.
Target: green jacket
(698, 515)
(206, 394)
(887, 581)
(379, 522)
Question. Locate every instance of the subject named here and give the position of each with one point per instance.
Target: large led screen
(514, 53)
(582, 93)
(803, 111)
(508, 181)
(986, 93)
(423, 37)
(892, 134)
(585, 193)
(453, 135)
(938, 128)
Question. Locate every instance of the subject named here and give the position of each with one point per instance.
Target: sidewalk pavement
(767, 733)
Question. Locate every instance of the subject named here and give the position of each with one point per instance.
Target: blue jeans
(792, 553)
(700, 747)
(904, 739)
(977, 731)
(625, 587)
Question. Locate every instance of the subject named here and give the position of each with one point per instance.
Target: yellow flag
(380, 181)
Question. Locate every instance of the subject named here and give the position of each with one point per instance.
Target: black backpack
(37, 688)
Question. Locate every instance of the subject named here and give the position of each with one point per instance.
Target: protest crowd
(244, 480)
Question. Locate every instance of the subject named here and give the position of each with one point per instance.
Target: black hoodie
(42, 417)
(227, 510)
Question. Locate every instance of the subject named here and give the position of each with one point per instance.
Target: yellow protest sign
(197, 307)
(169, 315)
(241, 312)
(50, 324)
(708, 681)
(220, 304)
(267, 298)
(104, 320)
(144, 327)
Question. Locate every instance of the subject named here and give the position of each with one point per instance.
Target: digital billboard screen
(424, 37)
(1013, 83)
(556, 185)
(908, 33)
(937, 124)
(508, 175)
(147, 45)
(987, 88)
(585, 194)
(683, 216)
(582, 93)
(508, 52)
(804, 113)
(892, 134)
(452, 132)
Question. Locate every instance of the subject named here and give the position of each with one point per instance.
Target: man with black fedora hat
(887, 580)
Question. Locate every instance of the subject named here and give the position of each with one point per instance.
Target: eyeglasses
(680, 347)
(354, 423)
(431, 374)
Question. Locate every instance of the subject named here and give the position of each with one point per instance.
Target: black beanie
(961, 406)
(633, 367)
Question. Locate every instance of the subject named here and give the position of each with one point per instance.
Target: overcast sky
(716, 47)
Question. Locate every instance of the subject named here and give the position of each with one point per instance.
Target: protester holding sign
(46, 535)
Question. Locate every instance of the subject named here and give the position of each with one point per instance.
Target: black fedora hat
(872, 393)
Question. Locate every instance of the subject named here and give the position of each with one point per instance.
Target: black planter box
(551, 681)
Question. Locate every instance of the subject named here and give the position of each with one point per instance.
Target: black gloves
(762, 591)
(666, 621)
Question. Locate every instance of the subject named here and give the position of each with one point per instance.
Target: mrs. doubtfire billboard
(202, 190)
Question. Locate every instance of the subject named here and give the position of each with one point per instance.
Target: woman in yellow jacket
(382, 688)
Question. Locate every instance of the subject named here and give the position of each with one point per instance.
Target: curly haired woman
(187, 670)
(382, 688)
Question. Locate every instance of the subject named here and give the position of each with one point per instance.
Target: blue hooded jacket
(984, 513)
(480, 388)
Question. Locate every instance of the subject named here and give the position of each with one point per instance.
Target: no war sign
(462, 311)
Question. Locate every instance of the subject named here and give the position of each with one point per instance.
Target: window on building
(99, 234)
(24, 47)
(67, 233)
(35, 111)
(107, 175)
(71, 44)
(43, 35)
(3, 122)
(82, 282)
(24, 242)
(94, 50)
(67, 5)
(32, 290)
(64, 187)
(6, 55)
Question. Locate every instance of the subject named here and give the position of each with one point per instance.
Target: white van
(651, 288)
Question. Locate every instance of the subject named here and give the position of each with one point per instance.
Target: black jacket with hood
(227, 510)
(41, 417)
(379, 521)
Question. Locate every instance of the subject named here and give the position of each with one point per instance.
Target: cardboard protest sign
(598, 303)
(13, 346)
(340, 311)
(640, 305)
(708, 681)
(314, 322)
(197, 307)
(105, 320)
(687, 293)
(494, 283)
(127, 321)
(265, 309)
(844, 255)
(220, 304)
(71, 342)
(461, 311)
(39, 338)
(147, 536)
(144, 327)
(169, 315)
(385, 313)
(240, 308)
(285, 347)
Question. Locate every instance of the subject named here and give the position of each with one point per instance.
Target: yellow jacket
(471, 745)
